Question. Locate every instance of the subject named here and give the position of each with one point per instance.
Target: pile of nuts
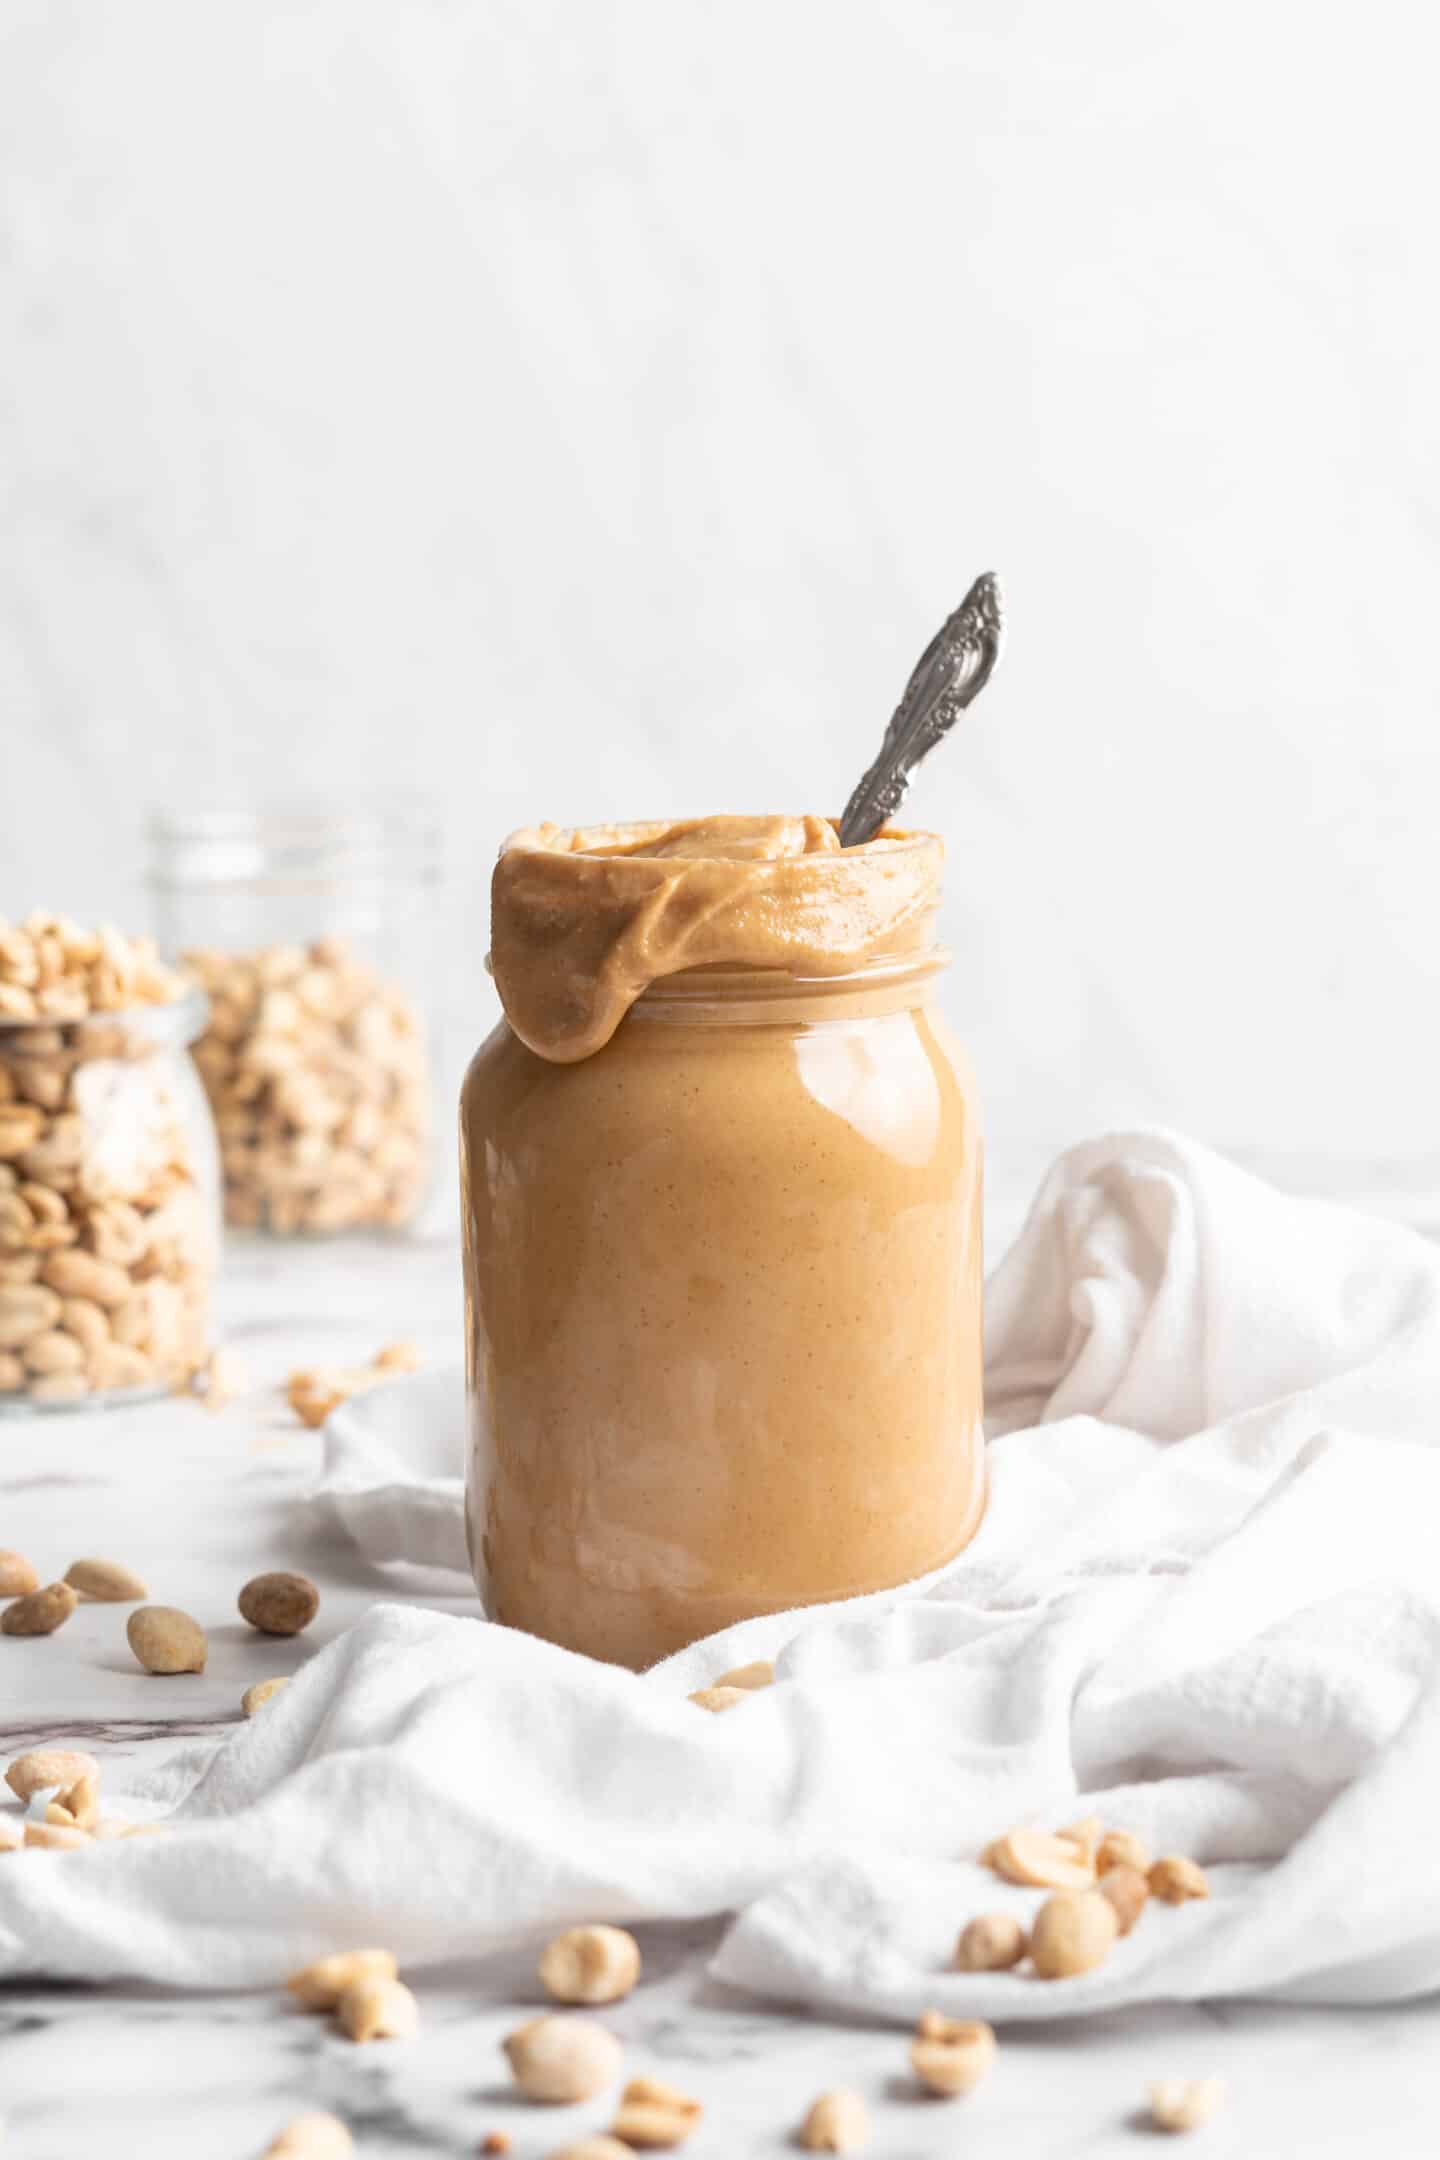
(317, 1074)
(106, 1243)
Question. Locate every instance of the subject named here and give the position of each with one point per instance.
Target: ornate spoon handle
(949, 675)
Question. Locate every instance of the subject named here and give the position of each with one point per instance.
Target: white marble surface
(579, 410)
(197, 1503)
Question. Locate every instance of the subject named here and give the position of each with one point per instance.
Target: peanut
(1074, 1931)
(992, 1943)
(105, 1582)
(495, 2141)
(321, 1985)
(374, 2009)
(313, 1394)
(17, 1577)
(56, 1837)
(1185, 2103)
(279, 1603)
(590, 1965)
(1128, 1891)
(263, 1691)
(225, 1378)
(595, 2148)
(40, 1768)
(1121, 1848)
(26, 1310)
(81, 1275)
(1173, 1879)
(720, 1698)
(836, 2122)
(654, 2116)
(1085, 1836)
(760, 1674)
(1039, 1861)
(311, 2137)
(166, 1640)
(951, 2055)
(40, 1612)
(399, 1357)
(59, 1387)
(557, 2060)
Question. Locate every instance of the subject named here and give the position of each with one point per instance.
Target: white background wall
(581, 408)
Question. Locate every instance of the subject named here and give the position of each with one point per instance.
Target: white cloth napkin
(1204, 1604)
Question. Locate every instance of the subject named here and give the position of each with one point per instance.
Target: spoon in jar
(949, 675)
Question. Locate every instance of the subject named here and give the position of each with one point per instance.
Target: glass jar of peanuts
(109, 1171)
(311, 933)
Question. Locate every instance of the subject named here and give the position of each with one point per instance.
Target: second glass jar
(312, 933)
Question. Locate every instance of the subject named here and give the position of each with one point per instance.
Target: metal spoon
(949, 675)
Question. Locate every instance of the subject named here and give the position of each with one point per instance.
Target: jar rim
(180, 1020)
(302, 842)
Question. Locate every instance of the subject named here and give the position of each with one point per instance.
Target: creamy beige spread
(583, 920)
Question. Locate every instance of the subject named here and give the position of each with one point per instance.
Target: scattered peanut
(1173, 1879)
(316, 1072)
(1085, 1836)
(654, 2116)
(40, 1768)
(1040, 1861)
(56, 1837)
(590, 1965)
(279, 1603)
(224, 1377)
(760, 1674)
(1074, 1931)
(992, 1943)
(560, 2059)
(105, 1581)
(495, 2141)
(311, 2137)
(263, 1691)
(321, 1985)
(17, 1577)
(313, 1393)
(1128, 1891)
(374, 2009)
(79, 1805)
(1185, 2103)
(951, 2055)
(166, 1640)
(836, 2122)
(40, 1612)
(1121, 1848)
(720, 1698)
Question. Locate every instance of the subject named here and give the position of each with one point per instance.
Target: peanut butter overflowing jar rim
(585, 920)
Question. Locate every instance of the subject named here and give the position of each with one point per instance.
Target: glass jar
(109, 1208)
(313, 934)
(723, 1294)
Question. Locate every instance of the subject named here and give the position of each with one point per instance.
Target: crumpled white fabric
(1204, 1604)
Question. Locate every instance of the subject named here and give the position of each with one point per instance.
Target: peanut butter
(582, 922)
(721, 1174)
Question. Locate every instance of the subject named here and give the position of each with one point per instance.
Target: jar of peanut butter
(721, 1185)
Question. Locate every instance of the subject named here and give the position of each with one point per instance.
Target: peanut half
(654, 2116)
(374, 2009)
(1040, 1861)
(1185, 2103)
(590, 1965)
(321, 1985)
(279, 1603)
(105, 1582)
(836, 2122)
(1175, 1879)
(557, 2060)
(40, 1768)
(166, 1640)
(720, 1698)
(1121, 1848)
(263, 1691)
(1128, 1891)
(992, 1943)
(1074, 1931)
(951, 2055)
(41, 1612)
(760, 1674)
